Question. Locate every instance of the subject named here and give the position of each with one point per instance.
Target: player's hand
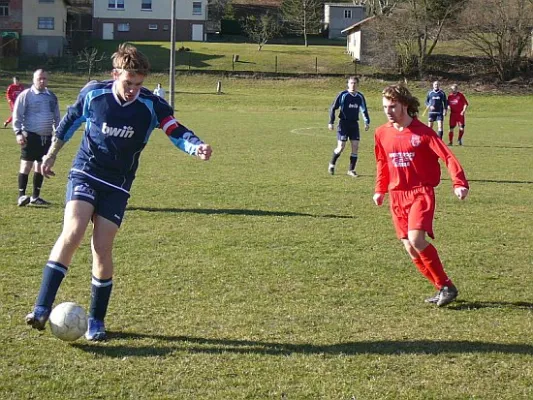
(46, 166)
(431, 108)
(21, 139)
(204, 152)
(367, 127)
(331, 127)
(378, 198)
(461, 192)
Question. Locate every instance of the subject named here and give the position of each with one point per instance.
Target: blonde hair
(128, 58)
(401, 94)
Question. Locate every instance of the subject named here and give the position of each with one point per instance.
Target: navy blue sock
(353, 161)
(100, 294)
(440, 133)
(334, 158)
(53, 275)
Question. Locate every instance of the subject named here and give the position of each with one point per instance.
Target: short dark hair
(16, 77)
(353, 78)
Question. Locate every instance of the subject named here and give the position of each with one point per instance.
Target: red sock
(422, 268)
(461, 133)
(450, 136)
(431, 260)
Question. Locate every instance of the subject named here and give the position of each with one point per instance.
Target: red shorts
(456, 119)
(413, 210)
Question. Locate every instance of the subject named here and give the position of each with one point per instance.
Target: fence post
(276, 65)
(219, 87)
(316, 65)
(189, 61)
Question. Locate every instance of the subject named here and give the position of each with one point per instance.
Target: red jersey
(456, 102)
(13, 91)
(410, 159)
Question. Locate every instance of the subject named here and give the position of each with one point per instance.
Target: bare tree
(302, 16)
(379, 7)
(89, 59)
(261, 29)
(500, 29)
(413, 30)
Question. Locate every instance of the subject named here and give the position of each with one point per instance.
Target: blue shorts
(108, 202)
(435, 116)
(348, 130)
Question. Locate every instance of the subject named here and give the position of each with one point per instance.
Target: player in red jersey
(407, 155)
(12, 93)
(457, 104)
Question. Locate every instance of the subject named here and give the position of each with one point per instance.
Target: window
(196, 8)
(116, 4)
(165, 27)
(4, 10)
(348, 14)
(146, 5)
(45, 23)
(152, 27)
(46, 1)
(123, 27)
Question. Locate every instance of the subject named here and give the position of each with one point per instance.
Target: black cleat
(447, 295)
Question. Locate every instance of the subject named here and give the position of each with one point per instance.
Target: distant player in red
(457, 104)
(12, 93)
(407, 155)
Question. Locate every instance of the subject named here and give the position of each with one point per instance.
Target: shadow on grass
(476, 305)
(170, 344)
(237, 211)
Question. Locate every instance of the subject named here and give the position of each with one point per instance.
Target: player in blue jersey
(437, 104)
(119, 117)
(350, 103)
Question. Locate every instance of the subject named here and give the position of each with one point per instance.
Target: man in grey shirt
(35, 115)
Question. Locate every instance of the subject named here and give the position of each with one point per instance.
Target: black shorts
(348, 130)
(36, 147)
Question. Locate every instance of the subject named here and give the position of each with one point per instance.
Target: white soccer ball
(68, 321)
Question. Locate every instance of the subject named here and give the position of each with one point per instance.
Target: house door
(107, 31)
(197, 33)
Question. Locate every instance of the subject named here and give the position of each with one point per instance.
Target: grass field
(259, 276)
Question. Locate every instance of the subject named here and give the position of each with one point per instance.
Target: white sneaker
(23, 201)
(351, 173)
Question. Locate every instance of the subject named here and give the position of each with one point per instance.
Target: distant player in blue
(350, 102)
(119, 117)
(437, 103)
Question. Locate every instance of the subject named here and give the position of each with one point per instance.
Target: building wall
(336, 21)
(138, 29)
(13, 22)
(43, 41)
(160, 10)
(31, 12)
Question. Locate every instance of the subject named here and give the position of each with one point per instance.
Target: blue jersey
(117, 132)
(437, 100)
(349, 105)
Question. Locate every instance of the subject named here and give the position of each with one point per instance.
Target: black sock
(100, 294)
(23, 183)
(353, 161)
(334, 158)
(440, 133)
(53, 275)
(37, 183)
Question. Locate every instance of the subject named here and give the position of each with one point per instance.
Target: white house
(354, 38)
(148, 19)
(44, 26)
(338, 16)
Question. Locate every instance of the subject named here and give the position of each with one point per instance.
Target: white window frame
(195, 11)
(123, 27)
(42, 23)
(153, 27)
(116, 4)
(347, 14)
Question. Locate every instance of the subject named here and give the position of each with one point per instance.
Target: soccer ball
(68, 321)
